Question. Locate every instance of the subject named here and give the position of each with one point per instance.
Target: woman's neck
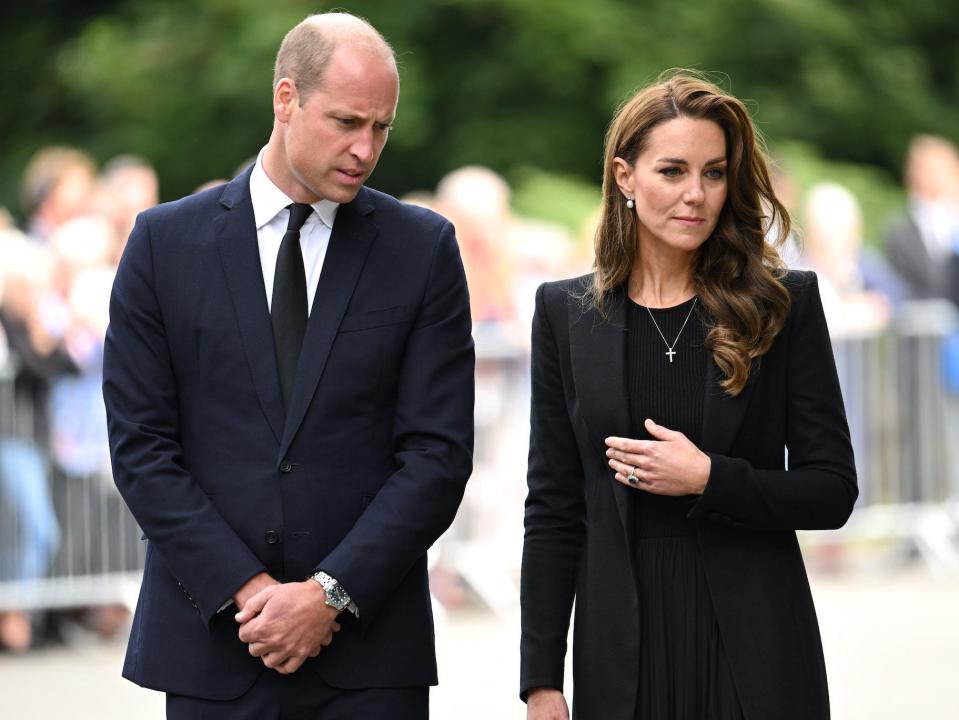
(662, 280)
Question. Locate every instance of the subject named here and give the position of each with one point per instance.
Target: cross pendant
(670, 352)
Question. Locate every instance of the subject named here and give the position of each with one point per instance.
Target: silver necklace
(669, 348)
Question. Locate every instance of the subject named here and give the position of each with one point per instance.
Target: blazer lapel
(350, 242)
(598, 355)
(723, 413)
(235, 232)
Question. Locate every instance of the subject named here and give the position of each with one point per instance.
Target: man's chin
(341, 194)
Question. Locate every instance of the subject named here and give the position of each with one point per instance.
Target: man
(923, 247)
(291, 471)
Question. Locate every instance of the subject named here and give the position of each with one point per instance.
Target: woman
(666, 388)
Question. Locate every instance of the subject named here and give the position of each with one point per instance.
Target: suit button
(286, 467)
(272, 537)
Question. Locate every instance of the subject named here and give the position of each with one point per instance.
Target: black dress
(684, 674)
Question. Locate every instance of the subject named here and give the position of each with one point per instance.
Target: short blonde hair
(306, 50)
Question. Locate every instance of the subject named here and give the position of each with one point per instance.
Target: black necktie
(289, 307)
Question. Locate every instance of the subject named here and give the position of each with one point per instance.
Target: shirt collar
(268, 200)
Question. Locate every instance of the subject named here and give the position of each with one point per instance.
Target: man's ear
(623, 175)
(285, 98)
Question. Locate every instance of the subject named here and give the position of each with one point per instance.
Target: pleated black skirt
(683, 671)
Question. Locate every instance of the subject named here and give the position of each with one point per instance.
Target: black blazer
(579, 518)
(361, 474)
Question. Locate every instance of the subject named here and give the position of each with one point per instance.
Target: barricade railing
(72, 542)
(904, 424)
(65, 540)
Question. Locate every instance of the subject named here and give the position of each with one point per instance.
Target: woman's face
(678, 184)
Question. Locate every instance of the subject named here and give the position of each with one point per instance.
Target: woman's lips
(690, 221)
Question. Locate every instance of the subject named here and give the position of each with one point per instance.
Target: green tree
(511, 84)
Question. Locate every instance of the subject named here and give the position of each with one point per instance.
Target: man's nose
(364, 147)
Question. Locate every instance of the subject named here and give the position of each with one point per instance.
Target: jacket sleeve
(555, 520)
(433, 441)
(206, 556)
(819, 488)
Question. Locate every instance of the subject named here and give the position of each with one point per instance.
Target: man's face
(333, 141)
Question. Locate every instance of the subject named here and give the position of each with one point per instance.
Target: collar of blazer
(352, 237)
(598, 357)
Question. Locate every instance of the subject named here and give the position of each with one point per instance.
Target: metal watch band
(336, 597)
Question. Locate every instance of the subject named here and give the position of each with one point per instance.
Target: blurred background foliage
(525, 87)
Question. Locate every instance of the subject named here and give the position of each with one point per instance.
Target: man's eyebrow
(680, 161)
(362, 116)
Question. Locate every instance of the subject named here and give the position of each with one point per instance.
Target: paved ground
(892, 649)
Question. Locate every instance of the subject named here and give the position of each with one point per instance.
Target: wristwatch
(336, 597)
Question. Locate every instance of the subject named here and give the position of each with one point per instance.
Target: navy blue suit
(361, 474)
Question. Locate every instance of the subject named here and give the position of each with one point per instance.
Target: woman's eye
(716, 173)
(671, 172)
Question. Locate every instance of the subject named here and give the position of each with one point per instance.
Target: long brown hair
(737, 271)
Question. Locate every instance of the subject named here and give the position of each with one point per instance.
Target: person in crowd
(36, 357)
(57, 186)
(666, 388)
(476, 200)
(787, 192)
(288, 377)
(923, 247)
(96, 531)
(127, 186)
(858, 289)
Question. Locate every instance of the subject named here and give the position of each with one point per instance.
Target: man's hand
(251, 587)
(546, 704)
(285, 624)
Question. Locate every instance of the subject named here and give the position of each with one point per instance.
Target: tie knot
(299, 212)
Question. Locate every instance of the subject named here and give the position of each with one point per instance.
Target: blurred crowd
(56, 273)
(862, 286)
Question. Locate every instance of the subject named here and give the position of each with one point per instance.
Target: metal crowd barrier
(65, 540)
(904, 424)
(903, 421)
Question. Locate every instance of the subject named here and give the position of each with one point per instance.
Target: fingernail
(609, 453)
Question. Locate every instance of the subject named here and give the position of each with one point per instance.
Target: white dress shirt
(271, 217)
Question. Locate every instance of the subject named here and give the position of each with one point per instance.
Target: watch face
(336, 597)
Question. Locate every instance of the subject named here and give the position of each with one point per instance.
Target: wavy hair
(737, 272)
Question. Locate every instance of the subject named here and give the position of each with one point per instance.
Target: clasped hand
(284, 624)
(670, 464)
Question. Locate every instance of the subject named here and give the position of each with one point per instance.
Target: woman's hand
(668, 465)
(546, 704)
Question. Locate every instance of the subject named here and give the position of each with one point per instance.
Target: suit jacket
(358, 477)
(925, 276)
(579, 519)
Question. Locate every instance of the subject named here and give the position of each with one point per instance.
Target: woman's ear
(623, 175)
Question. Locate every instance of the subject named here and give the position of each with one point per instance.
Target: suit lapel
(723, 413)
(235, 232)
(350, 242)
(598, 354)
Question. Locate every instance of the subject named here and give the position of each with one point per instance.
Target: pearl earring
(629, 203)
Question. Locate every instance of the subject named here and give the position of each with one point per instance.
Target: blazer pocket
(376, 318)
